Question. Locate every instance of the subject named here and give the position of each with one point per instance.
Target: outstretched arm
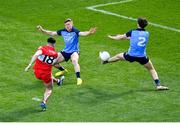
(86, 33)
(118, 37)
(33, 59)
(47, 32)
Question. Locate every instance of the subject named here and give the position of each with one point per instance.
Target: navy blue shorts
(66, 56)
(141, 60)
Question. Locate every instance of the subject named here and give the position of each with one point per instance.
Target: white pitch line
(94, 8)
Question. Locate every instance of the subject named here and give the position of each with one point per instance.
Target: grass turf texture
(113, 92)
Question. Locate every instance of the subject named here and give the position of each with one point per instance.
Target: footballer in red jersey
(44, 58)
(44, 62)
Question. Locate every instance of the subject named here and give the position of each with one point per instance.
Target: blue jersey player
(137, 50)
(71, 40)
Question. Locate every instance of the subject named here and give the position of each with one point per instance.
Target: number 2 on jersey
(142, 41)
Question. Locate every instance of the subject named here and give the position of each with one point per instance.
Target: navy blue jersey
(71, 39)
(138, 42)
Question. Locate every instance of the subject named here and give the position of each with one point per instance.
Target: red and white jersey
(47, 59)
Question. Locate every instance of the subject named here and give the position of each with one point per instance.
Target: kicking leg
(59, 81)
(118, 57)
(60, 67)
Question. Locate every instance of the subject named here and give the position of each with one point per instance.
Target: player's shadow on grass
(94, 96)
(17, 115)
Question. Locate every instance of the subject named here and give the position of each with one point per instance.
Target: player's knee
(49, 92)
(149, 67)
(49, 88)
(75, 62)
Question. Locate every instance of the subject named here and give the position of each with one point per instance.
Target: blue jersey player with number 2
(137, 50)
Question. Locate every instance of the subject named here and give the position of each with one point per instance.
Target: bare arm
(86, 33)
(118, 37)
(47, 32)
(33, 59)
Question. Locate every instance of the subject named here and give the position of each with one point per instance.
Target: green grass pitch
(113, 92)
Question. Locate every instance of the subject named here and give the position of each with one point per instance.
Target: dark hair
(142, 22)
(51, 40)
(68, 20)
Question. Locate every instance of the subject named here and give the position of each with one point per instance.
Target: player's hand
(27, 68)
(39, 27)
(92, 30)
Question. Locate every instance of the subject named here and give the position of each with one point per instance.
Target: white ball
(104, 55)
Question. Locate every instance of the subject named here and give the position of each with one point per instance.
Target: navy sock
(78, 74)
(61, 68)
(157, 82)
